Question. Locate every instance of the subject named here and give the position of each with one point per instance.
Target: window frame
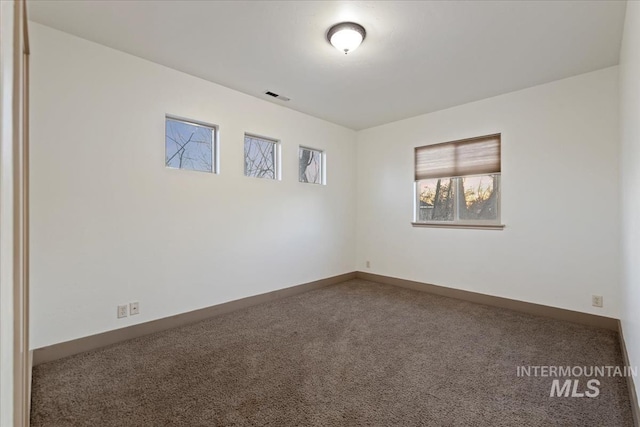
(457, 222)
(322, 165)
(215, 143)
(277, 176)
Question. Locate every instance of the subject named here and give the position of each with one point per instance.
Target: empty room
(319, 213)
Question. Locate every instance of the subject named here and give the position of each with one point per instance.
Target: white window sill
(459, 225)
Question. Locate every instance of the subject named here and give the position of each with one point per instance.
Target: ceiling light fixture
(346, 36)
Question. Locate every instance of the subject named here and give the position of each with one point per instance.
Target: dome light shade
(346, 36)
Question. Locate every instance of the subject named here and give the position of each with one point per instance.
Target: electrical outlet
(596, 300)
(134, 308)
(122, 311)
(368, 264)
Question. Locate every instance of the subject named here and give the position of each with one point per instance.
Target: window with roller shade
(458, 183)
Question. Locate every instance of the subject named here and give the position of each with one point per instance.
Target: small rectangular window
(458, 183)
(190, 145)
(310, 165)
(261, 157)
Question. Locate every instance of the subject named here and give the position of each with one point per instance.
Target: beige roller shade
(474, 156)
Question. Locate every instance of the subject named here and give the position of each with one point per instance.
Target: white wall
(110, 224)
(560, 198)
(630, 179)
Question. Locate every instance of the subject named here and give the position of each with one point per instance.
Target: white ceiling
(418, 57)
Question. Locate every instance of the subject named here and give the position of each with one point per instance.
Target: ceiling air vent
(275, 95)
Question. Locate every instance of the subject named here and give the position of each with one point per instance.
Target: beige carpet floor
(353, 354)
